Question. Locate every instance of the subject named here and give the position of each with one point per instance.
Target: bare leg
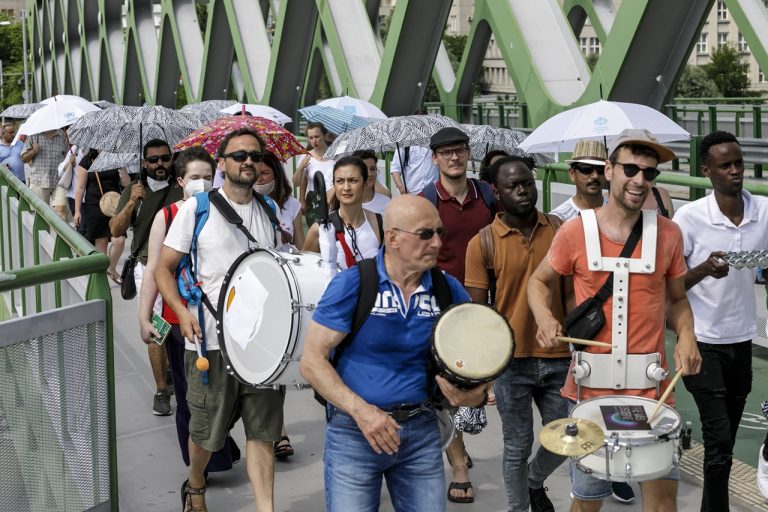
(158, 360)
(260, 462)
(586, 506)
(456, 454)
(100, 244)
(659, 495)
(115, 251)
(62, 210)
(198, 459)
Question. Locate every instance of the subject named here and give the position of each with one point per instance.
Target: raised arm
(119, 224)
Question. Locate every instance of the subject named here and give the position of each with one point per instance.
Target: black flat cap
(445, 136)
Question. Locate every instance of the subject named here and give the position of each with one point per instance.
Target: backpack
(485, 192)
(368, 290)
(486, 250)
(338, 226)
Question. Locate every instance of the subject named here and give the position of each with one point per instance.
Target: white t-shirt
(420, 172)
(365, 240)
(287, 215)
(723, 309)
(323, 166)
(218, 246)
(377, 204)
(569, 210)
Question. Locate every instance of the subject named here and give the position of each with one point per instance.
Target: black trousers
(720, 391)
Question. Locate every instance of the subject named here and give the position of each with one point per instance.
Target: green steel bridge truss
(274, 52)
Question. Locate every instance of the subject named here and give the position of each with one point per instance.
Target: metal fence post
(757, 132)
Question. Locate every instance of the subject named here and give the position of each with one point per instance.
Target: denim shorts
(588, 488)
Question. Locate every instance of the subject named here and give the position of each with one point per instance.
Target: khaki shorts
(59, 197)
(214, 407)
(55, 196)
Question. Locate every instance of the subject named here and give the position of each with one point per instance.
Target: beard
(238, 180)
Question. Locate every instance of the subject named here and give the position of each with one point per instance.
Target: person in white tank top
(362, 228)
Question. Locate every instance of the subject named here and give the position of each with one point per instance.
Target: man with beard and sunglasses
(723, 301)
(216, 397)
(520, 237)
(587, 172)
(136, 209)
(588, 248)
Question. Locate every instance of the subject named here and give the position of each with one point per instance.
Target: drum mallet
(579, 341)
(202, 362)
(666, 394)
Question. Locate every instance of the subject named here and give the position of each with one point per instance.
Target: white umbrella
(602, 120)
(360, 108)
(56, 115)
(264, 111)
(64, 97)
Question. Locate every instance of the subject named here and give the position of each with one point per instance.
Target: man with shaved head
(381, 419)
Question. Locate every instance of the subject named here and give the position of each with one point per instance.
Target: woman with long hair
(274, 183)
(311, 164)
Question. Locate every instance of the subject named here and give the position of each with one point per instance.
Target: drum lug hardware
(296, 306)
(290, 359)
(628, 470)
(612, 444)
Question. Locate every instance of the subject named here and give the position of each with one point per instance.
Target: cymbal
(571, 437)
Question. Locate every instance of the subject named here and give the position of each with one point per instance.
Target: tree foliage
(695, 83)
(728, 72)
(13, 64)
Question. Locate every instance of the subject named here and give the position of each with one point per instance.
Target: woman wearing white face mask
(194, 174)
(274, 183)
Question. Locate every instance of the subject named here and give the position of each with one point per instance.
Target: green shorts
(215, 407)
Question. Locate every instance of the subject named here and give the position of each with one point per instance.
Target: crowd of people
(490, 245)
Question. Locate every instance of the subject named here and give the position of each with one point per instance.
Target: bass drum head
(255, 316)
(472, 343)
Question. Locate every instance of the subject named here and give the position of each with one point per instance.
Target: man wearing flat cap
(589, 248)
(465, 206)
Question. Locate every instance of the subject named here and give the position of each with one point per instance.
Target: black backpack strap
(366, 299)
(440, 289)
(660, 202)
(407, 158)
(487, 195)
(229, 213)
(430, 193)
(380, 224)
(335, 219)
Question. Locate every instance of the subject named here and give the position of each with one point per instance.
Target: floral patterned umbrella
(278, 140)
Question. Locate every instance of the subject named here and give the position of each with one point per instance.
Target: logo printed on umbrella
(601, 124)
(70, 116)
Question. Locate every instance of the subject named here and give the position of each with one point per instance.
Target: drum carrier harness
(619, 370)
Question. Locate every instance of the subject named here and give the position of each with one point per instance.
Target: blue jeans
(526, 380)
(353, 471)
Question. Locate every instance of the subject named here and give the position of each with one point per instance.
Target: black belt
(404, 412)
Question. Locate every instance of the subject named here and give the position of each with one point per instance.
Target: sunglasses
(242, 155)
(631, 170)
(154, 159)
(588, 169)
(448, 153)
(425, 234)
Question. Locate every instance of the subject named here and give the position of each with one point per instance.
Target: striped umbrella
(20, 110)
(484, 138)
(336, 121)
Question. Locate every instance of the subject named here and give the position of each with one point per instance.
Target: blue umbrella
(336, 121)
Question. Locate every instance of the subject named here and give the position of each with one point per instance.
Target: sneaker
(170, 390)
(762, 473)
(622, 492)
(162, 406)
(539, 500)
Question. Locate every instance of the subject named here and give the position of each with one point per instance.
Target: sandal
(283, 448)
(114, 276)
(186, 497)
(462, 486)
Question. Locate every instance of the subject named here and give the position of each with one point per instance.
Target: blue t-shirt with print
(386, 362)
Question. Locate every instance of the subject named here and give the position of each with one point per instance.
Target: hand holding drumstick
(665, 395)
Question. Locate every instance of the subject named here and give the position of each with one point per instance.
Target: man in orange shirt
(630, 169)
(520, 238)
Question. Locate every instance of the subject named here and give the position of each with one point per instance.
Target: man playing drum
(381, 421)
(215, 398)
(520, 239)
(654, 271)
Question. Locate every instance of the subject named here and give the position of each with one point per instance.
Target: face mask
(193, 187)
(155, 185)
(266, 188)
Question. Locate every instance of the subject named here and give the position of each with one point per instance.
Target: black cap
(445, 136)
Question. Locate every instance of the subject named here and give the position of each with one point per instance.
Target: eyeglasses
(425, 234)
(448, 153)
(154, 159)
(242, 155)
(588, 169)
(631, 170)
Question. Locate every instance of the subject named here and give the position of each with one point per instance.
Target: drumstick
(579, 341)
(666, 394)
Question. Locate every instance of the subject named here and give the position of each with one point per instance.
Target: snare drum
(634, 450)
(471, 344)
(265, 305)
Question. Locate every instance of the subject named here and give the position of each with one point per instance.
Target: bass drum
(265, 305)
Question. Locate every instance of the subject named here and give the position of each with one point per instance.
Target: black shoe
(622, 492)
(162, 404)
(539, 500)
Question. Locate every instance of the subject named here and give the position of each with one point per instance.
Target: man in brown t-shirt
(521, 236)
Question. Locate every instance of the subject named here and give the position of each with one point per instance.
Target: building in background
(12, 8)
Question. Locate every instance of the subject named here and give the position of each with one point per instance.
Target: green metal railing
(24, 270)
